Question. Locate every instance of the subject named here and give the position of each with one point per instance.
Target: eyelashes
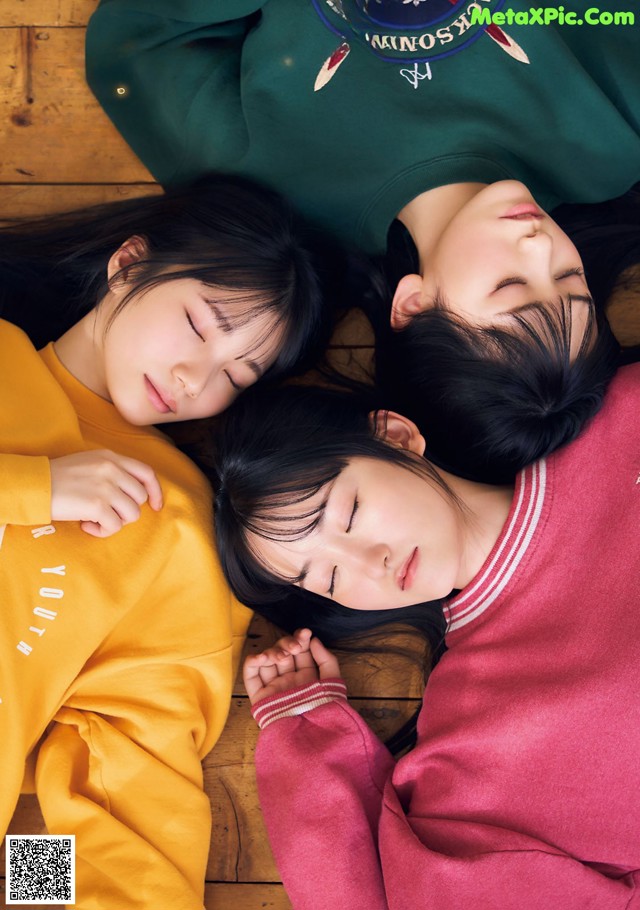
(191, 323)
(507, 281)
(332, 583)
(234, 384)
(570, 272)
(356, 506)
(517, 280)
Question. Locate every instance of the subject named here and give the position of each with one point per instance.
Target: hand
(102, 490)
(295, 660)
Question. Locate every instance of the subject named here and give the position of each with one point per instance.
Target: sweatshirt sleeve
(164, 70)
(121, 769)
(321, 773)
(25, 490)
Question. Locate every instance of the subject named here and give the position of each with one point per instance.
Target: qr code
(41, 869)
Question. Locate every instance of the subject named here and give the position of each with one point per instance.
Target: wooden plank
(46, 12)
(623, 311)
(257, 896)
(53, 130)
(29, 201)
(356, 362)
(353, 329)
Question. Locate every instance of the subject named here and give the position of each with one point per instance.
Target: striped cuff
(298, 701)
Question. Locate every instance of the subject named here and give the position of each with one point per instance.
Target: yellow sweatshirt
(115, 654)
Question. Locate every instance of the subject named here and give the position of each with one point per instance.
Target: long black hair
(223, 231)
(277, 447)
(490, 400)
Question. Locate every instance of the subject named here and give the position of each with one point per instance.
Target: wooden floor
(57, 151)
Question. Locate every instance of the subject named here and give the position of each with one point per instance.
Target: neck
(80, 352)
(485, 511)
(427, 216)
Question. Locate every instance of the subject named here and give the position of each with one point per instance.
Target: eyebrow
(253, 366)
(223, 321)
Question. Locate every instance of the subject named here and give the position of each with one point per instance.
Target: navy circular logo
(402, 31)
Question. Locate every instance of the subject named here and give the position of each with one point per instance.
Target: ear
(407, 301)
(132, 250)
(397, 431)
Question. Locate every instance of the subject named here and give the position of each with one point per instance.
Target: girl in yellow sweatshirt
(116, 648)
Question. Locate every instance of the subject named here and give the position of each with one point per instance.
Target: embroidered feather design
(330, 66)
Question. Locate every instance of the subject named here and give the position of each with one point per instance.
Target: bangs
(550, 325)
(293, 512)
(255, 300)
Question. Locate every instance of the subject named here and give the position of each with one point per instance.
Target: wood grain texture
(53, 130)
(623, 311)
(46, 12)
(30, 201)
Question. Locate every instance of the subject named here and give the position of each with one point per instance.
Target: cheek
(215, 403)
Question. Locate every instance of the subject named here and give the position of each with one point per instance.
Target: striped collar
(508, 552)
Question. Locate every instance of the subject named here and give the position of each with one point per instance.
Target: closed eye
(515, 280)
(356, 505)
(570, 272)
(234, 384)
(191, 323)
(332, 583)
(507, 281)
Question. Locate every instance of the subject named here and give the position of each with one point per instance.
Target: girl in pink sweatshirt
(523, 788)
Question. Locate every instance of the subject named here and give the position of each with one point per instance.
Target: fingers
(294, 660)
(102, 490)
(251, 677)
(260, 670)
(328, 665)
(148, 485)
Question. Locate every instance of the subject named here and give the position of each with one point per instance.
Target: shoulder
(625, 386)
(11, 334)
(25, 382)
(618, 415)
(608, 446)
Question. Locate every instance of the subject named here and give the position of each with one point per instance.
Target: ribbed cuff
(298, 701)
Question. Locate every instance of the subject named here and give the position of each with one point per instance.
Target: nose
(370, 559)
(536, 245)
(535, 229)
(190, 380)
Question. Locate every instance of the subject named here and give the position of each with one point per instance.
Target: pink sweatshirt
(523, 792)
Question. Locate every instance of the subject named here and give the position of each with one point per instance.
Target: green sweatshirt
(196, 85)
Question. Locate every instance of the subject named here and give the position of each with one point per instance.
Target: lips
(408, 571)
(162, 402)
(523, 211)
